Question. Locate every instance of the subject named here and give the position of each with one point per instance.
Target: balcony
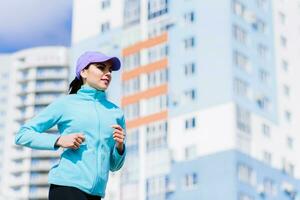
(23, 117)
(40, 179)
(22, 154)
(19, 181)
(25, 103)
(45, 100)
(25, 76)
(25, 90)
(41, 165)
(61, 87)
(45, 154)
(63, 74)
(39, 193)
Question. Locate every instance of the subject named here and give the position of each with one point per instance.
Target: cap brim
(116, 63)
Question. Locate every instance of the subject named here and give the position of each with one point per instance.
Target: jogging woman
(91, 132)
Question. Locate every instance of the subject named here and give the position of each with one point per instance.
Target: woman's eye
(101, 67)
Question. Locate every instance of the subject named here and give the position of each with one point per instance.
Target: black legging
(58, 192)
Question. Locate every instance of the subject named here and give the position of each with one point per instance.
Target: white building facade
(38, 76)
(201, 78)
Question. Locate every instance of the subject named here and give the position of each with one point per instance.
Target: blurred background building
(209, 91)
(5, 87)
(37, 77)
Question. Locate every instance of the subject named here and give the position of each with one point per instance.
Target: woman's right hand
(72, 141)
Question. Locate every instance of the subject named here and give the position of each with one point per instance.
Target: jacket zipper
(96, 179)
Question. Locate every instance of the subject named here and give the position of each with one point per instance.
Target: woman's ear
(83, 73)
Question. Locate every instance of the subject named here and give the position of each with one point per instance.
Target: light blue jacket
(90, 113)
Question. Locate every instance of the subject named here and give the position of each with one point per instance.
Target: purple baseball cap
(95, 57)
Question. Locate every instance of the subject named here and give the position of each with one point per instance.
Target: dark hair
(75, 85)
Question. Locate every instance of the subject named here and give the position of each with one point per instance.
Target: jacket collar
(87, 90)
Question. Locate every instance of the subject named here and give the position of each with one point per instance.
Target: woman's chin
(102, 87)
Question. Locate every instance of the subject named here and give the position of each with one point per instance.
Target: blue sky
(30, 23)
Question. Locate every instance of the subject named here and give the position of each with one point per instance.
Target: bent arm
(117, 158)
(32, 135)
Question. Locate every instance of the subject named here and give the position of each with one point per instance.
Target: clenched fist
(119, 137)
(72, 141)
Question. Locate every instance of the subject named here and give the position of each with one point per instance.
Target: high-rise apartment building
(209, 91)
(4, 87)
(92, 17)
(37, 77)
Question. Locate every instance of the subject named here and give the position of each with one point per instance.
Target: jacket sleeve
(32, 135)
(117, 159)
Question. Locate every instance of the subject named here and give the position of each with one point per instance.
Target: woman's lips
(106, 81)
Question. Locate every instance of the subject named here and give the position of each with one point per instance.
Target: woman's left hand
(119, 137)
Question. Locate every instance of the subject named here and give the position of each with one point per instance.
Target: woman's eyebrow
(100, 64)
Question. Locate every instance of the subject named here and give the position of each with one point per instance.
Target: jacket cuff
(116, 153)
(52, 141)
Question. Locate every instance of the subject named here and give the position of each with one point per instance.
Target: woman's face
(97, 75)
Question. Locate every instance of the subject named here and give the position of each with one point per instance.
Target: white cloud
(34, 21)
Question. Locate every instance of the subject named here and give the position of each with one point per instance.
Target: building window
(290, 142)
(157, 78)
(189, 43)
(156, 29)
(269, 187)
(190, 152)
(33, 189)
(18, 161)
(267, 157)
(238, 8)
(266, 130)
(156, 136)
(259, 26)
(288, 167)
(132, 111)
(190, 123)
(190, 95)
(286, 90)
(243, 118)
(282, 18)
(105, 4)
(243, 196)
(16, 188)
(132, 140)
(131, 12)
(157, 52)
(263, 102)
(288, 116)
(156, 104)
(131, 86)
(190, 180)
(189, 69)
(262, 51)
(246, 174)
(189, 17)
(132, 61)
(241, 61)
(262, 4)
(283, 41)
(239, 34)
(285, 65)
(105, 27)
(157, 8)
(24, 74)
(264, 76)
(241, 87)
(156, 186)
